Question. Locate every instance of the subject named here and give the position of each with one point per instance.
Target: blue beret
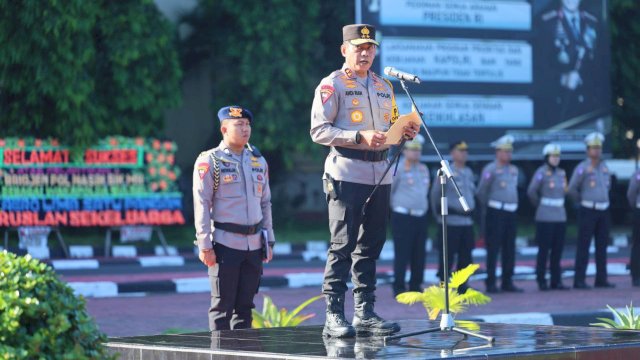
(234, 112)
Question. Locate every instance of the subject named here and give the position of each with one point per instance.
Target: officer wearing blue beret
(232, 214)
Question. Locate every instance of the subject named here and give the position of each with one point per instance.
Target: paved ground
(154, 314)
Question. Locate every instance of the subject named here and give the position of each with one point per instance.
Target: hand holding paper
(395, 133)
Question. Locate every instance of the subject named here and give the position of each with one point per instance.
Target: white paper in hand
(394, 134)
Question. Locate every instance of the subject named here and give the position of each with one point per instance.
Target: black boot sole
(366, 331)
(349, 333)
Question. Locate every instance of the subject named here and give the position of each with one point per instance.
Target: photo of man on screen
(569, 57)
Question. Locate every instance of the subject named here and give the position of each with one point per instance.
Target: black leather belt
(239, 229)
(364, 155)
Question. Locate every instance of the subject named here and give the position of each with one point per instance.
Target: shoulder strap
(254, 150)
(216, 173)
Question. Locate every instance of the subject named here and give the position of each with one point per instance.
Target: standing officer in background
(460, 234)
(352, 109)
(633, 195)
(547, 191)
(409, 205)
(589, 186)
(498, 191)
(232, 214)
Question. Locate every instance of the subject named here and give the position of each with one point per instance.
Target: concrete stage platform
(306, 342)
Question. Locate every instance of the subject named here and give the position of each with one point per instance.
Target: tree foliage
(625, 72)
(268, 56)
(81, 70)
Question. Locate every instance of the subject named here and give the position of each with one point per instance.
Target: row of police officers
(497, 193)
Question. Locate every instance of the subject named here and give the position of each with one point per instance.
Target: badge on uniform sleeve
(355, 102)
(202, 168)
(325, 93)
(552, 184)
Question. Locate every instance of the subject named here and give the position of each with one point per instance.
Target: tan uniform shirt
(547, 191)
(243, 197)
(499, 184)
(466, 183)
(410, 187)
(343, 104)
(589, 183)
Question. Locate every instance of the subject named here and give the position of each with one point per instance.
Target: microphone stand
(447, 323)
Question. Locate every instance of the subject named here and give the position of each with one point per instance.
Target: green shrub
(271, 317)
(433, 297)
(40, 317)
(627, 320)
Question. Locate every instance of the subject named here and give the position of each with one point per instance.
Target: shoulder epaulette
(388, 82)
(205, 153)
(254, 150)
(335, 74)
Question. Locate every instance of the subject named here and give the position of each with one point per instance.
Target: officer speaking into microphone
(352, 109)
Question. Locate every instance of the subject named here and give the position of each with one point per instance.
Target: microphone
(391, 71)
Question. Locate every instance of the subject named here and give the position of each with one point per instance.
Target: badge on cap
(235, 112)
(364, 33)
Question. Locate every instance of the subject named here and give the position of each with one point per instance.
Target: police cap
(504, 143)
(234, 112)
(358, 34)
(415, 144)
(551, 149)
(458, 145)
(594, 139)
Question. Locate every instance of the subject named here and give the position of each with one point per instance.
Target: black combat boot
(336, 325)
(366, 321)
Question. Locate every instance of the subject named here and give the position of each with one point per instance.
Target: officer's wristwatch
(358, 138)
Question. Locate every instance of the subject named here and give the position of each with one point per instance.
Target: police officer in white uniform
(547, 191)
(589, 187)
(633, 196)
(498, 191)
(409, 206)
(232, 214)
(352, 109)
(460, 235)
